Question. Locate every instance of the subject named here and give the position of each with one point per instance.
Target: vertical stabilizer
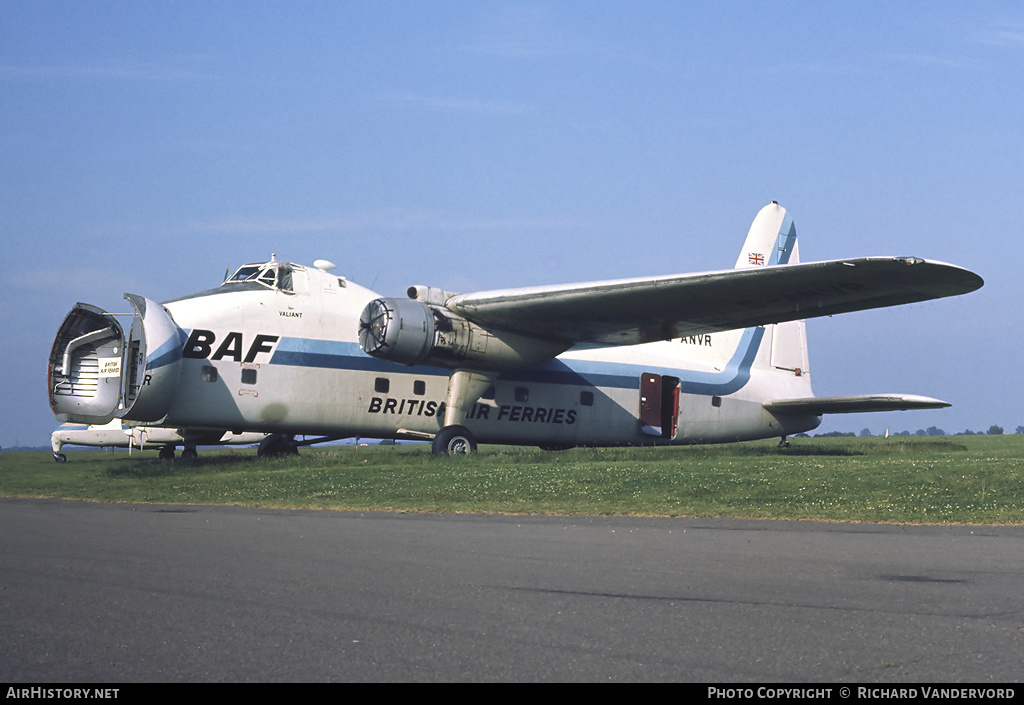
(771, 239)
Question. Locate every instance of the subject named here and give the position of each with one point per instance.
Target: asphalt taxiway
(106, 593)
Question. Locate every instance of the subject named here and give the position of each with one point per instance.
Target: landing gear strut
(464, 388)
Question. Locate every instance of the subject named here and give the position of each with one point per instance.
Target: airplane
(118, 435)
(286, 349)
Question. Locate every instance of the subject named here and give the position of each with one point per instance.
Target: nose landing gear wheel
(454, 440)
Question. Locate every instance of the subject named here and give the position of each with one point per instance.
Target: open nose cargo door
(97, 373)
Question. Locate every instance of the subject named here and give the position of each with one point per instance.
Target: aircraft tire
(60, 457)
(454, 440)
(277, 445)
(189, 454)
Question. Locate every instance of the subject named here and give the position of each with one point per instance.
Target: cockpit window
(273, 275)
(245, 273)
(268, 276)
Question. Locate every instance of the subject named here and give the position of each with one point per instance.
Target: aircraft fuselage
(286, 359)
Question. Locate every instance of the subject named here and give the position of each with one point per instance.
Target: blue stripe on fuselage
(166, 354)
(336, 355)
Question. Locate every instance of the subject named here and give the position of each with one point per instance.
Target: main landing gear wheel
(60, 457)
(454, 440)
(277, 445)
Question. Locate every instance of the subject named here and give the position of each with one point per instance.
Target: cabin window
(382, 385)
(248, 375)
(716, 402)
(208, 374)
(522, 394)
(586, 398)
(419, 387)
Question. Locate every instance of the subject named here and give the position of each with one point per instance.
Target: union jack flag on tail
(756, 258)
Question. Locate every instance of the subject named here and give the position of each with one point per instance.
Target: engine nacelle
(412, 332)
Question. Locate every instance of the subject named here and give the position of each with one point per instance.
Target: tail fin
(771, 239)
(777, 353)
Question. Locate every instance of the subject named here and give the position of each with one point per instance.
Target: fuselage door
(659, 405)
(87, 364)
(152, 362)
(669, 406)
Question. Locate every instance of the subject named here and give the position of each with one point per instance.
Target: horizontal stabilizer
(854, 404)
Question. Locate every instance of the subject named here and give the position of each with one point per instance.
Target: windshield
(273, 275)
(249, 271)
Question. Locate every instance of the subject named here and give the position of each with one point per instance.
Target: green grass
(961, 479)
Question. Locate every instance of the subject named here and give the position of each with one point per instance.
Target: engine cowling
(399, 330)
(411, 332)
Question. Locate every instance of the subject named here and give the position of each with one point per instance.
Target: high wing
(854, 404)
(631, 311)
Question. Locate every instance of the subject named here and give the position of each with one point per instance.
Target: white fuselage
(259, 358)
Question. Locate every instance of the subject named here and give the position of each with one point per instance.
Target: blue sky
(146, 147)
